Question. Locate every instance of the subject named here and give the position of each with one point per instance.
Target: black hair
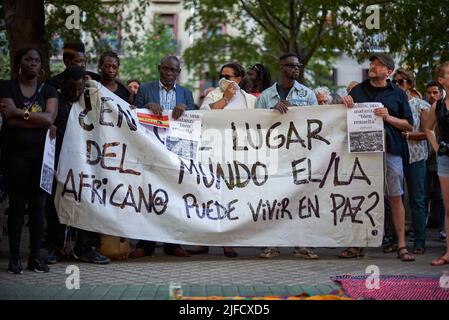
(238, 69)
(433, 83)
(110, 54)
(133, 80)
(171, 57)
(263, 75)
(19, 55)
(288, 55)
(74, 73)
(71, 47)
(247, 85)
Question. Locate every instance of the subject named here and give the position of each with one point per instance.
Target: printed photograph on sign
(365, 130)
(184, 148)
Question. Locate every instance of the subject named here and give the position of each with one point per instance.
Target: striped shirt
(167, 98)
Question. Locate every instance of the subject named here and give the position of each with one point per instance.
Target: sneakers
(305, 253)
(94, 256)
(269, 253)
(37, 265)
(15, 266)
(442, 235)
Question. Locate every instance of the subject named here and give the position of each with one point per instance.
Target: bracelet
(407, 135)
(26, 115)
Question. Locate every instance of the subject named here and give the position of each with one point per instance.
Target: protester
(397, 118)
(228, 95)
(73, 54)
(259, 77)
(29, 108)
(323, 95)
(108, 66)
(87, 242)
(434, 92)
(415, 169)
(285, 93)
(159, 96)
(439, 115)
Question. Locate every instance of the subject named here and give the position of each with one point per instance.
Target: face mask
(223, 83)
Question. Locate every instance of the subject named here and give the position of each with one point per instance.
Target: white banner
(262, 178)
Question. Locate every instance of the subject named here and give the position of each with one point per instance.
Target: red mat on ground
(403, 287)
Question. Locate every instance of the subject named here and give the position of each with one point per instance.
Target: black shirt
(372, 91)
(442, 115)
(122, 92)
(61, 120)
(26, 142)
(283, 93)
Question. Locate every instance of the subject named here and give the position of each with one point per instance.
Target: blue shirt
(167, 98)
(299, 95)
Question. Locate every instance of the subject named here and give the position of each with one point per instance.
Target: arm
(14, 116)
(429, 124)
(228, 94)
(417, 135)
(401, 124)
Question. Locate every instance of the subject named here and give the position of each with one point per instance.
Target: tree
(416, 30)
(37, 21)
(25, 24)
(268, 28)
(319, 30)
(152, 48)
(4, 58)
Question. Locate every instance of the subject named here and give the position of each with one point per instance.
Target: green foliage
(318, 31)
(417, 30)
(4, 54)
(268, 28)
(154, 46)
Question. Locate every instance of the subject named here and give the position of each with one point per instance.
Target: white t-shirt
(237, 102)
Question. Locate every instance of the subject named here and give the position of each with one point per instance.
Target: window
(171, 21)
(365, 74)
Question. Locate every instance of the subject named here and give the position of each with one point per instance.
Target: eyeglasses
(400, 81)
(256, 67)
(226, 76)
(293, 65)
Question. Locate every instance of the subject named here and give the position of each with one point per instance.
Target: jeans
(433, 194)
(415, 175)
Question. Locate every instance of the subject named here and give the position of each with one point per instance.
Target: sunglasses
(400, 81)
(226, 76)
(293, 65)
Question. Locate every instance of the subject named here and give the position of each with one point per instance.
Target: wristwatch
(26, 115)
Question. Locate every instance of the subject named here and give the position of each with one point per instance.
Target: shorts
(443, 166)
(395, 175)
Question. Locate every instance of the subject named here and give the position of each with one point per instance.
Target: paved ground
(207, 275)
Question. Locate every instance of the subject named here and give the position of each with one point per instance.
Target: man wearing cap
(397, 117)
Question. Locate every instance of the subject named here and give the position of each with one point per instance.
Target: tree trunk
(25, 25)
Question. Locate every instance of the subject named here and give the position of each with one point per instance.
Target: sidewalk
(207, 275)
